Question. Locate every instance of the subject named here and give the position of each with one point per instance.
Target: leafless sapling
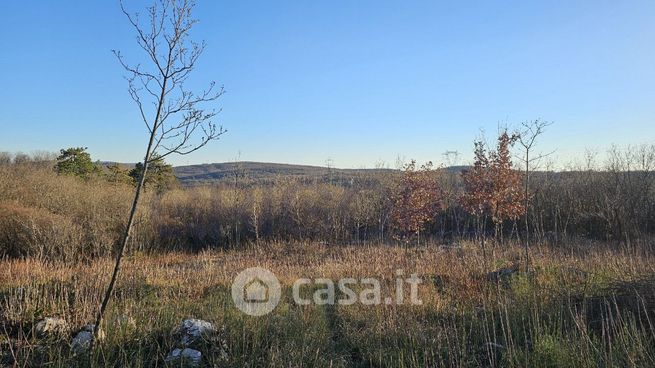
(527, 134)
(177, 118)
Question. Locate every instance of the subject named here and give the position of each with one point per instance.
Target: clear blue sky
(354, 81)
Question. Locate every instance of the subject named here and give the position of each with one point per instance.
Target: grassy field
(579, 306)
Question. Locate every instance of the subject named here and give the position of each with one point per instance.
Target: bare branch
(179, 114)
(179, 111)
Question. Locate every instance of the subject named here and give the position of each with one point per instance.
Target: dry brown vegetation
(587, 299)
(614, 202)
(57, 217)
(587, 307)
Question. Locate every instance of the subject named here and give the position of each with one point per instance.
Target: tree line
(612, 200)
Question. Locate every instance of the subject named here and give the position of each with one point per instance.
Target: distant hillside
(262, 172)
(267, 172)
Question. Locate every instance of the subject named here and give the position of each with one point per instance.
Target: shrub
(36, 232)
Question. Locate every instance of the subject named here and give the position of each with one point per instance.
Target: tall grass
(60, 218)
(63, 218)
(592, 307)
(583, 303)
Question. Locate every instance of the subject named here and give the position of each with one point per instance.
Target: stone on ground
(187, 357)
(49, 327)
(82, 341)
(194, 330)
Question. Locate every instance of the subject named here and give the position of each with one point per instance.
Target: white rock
(187, 356)
(50, 327)
(82, 341)
(193, 330)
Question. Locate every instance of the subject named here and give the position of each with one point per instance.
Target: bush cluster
(63, 217)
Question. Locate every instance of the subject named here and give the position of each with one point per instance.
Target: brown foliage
(507, 194)
(613, 202)
(493, 187)
(416, 200)
(478, 183)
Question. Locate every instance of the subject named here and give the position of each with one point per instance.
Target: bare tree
(527, 139)
(239, 175)
(256, 213)
(5, 158)
(175, 116)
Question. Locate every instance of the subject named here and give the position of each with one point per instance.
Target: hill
(264, 172)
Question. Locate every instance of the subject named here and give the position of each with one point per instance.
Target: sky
(353, 82)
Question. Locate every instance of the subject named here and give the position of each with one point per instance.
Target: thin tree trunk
(482, 241)
(121, 250)
(130, 221)
(527, 207)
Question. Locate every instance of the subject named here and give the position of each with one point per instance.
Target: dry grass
(579, 307)
(59, 218)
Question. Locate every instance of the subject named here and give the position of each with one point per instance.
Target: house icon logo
(256, 291)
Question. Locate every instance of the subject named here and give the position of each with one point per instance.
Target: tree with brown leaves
(416, 201)
(478, 190)
(506, 181)
(492, 188)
